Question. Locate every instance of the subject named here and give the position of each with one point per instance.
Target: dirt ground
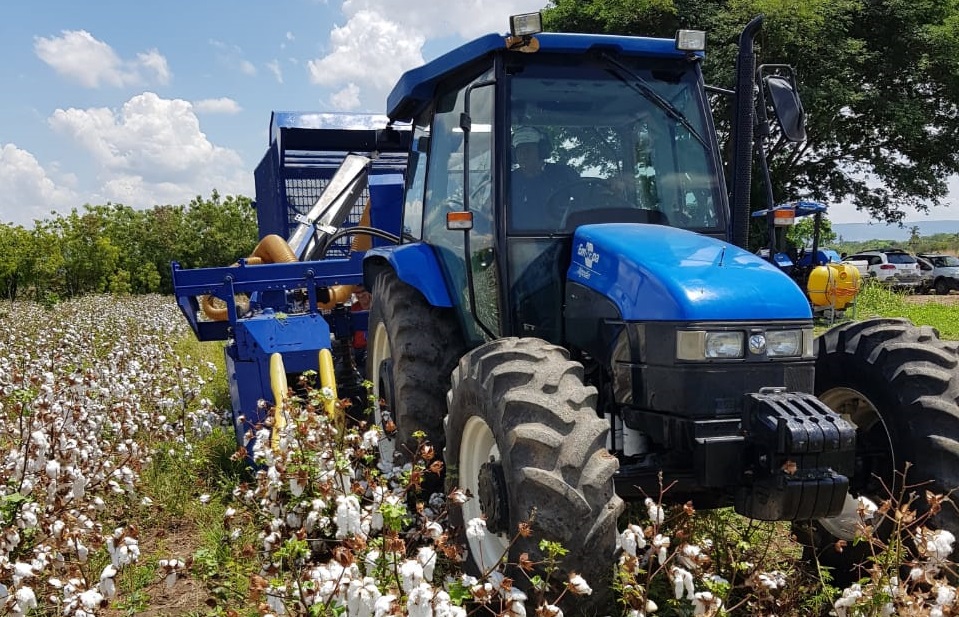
(951, 299)
(186, 596)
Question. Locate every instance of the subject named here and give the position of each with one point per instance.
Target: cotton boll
(91, 599)
(26, 600)
(426, 556)
(21, 571)
(419, 601)
(411, 574)
(384, 605)
(108, 585)
(577, 584)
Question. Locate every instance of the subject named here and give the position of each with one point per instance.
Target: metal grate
(302, 193)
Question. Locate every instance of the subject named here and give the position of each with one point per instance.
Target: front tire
(899, 384)
(413, 347)
(524, 438)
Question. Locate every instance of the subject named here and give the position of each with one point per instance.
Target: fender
(415, 264)
(658, 273)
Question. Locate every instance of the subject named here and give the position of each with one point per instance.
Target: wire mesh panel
(306, 176)
(302, 194)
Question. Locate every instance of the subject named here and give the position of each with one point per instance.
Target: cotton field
(91, 389)
(85, 389)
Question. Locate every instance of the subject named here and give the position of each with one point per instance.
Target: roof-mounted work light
(525, 24)
(521, 30)
(690, 40)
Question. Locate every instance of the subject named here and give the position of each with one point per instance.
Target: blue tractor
(562, 302)
(609, 325)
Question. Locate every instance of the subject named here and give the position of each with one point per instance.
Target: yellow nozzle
(328, 380)
(279, 387)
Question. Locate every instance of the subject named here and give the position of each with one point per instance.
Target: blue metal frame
(226, 282)
(253, 339)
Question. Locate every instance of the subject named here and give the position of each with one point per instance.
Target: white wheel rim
(477, 448)
(381, 351)
(858, 409)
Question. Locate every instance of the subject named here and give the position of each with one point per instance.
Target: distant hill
(859, 232)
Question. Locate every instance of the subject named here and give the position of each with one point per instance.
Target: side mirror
(782, 94)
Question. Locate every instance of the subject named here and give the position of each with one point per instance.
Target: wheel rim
(478, 448)
(874, 454)
(381, 352)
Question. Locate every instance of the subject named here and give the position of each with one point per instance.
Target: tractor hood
(658, 273)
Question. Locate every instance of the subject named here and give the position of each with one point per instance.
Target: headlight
(701, 345)
(693, 345)
(724, 345)
(781, 343)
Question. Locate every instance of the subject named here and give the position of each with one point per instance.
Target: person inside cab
(534, 179)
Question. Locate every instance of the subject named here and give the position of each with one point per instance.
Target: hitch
(798, 456)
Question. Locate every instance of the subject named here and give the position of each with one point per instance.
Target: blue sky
(142, 102)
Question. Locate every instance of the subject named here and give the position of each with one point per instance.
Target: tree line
(114, 248)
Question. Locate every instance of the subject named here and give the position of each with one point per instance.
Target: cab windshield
(591, 144)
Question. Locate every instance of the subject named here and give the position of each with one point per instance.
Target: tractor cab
(518, 142)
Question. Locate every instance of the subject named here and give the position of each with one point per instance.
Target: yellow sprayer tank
(834, 285)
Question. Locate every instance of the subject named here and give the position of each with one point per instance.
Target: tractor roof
(416, 87)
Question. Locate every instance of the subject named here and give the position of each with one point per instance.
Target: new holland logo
(590, 256)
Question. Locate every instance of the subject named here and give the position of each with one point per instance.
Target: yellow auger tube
(328, 380)
(272, 249)
(279, 387)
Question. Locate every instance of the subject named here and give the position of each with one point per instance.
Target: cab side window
(416, 182)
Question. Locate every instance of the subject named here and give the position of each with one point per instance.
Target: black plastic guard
(799, 454)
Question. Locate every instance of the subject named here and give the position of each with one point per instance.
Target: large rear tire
(523, 438)
(899, 384)
(413, 347)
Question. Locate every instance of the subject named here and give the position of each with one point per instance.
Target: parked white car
(892, 267)
(945, 272)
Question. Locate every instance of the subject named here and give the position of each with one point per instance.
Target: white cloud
(222, 105)
(346, 99)
(152, 151)
(78, 56)
(274, 67)
(157, 63)
(466, 18)
(383, 38)
(369, 49)
(28, 191)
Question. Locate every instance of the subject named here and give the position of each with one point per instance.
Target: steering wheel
(583, 194)
(481, 192)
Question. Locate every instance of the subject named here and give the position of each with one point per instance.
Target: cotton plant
(86, 389)
(908, 569)
(340, 531)
(668, 549)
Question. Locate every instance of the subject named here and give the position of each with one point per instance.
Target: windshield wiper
(626, 75)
